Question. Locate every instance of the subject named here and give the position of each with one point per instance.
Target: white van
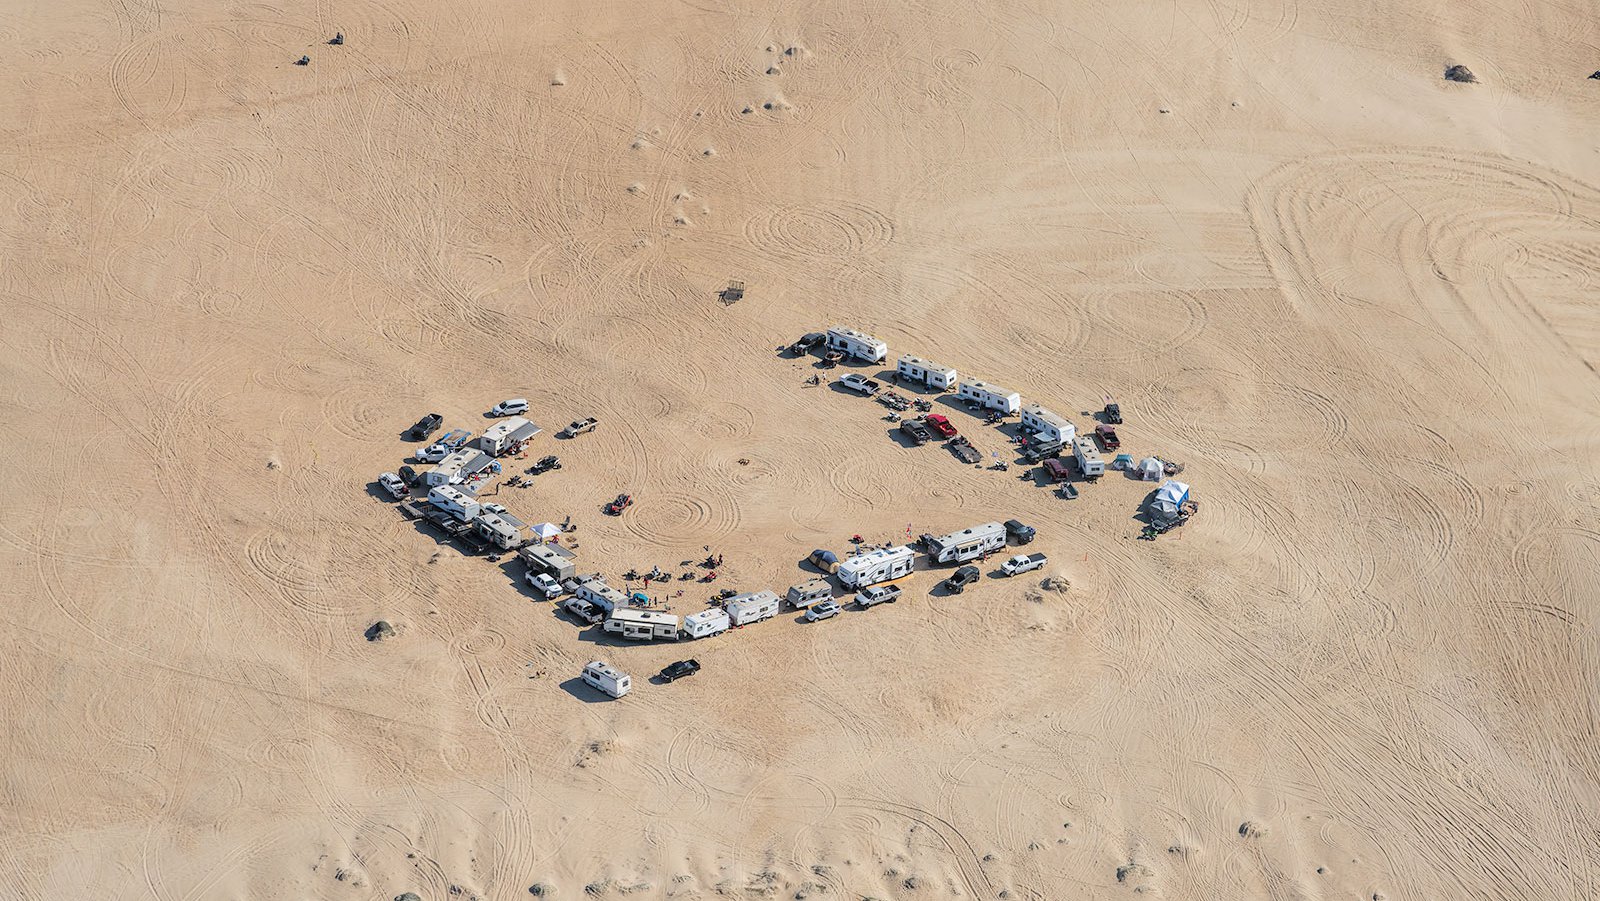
(706, 623)
(967, 544)
(607, 678)
(752, 607)
(643, 625)
(881, 565)
(807, 593)
(856, 344)
(455, 502)
(513, 407)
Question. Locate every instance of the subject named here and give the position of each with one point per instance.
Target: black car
(1022, 533)
(807, 342)
(425, 426)
(1113, 414)
(680, 669)
(408, 475)
(545, 464)
(960, 579)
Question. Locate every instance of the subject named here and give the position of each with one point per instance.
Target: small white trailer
(506, 435)
(881, 565)
(990, 397)
(549, 558)
(643, 625)
(751, 607)
(967, 544)
(856, 344)
(1046, 426)
(706, 623)
(607, 678)
(807, 593)
(597, 592)
(1088, 456)
(500, 531)
(916, 369)
(455, 502)
(457, 466)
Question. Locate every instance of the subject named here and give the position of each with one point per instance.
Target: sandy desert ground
(1357, 300)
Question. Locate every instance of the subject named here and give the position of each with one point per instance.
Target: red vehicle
(623, 502)
(940, 424)
(1108, 437)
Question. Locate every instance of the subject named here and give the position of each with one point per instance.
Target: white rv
(967, 544)
(597, 592)
(506, 434)
(455, 502)
(1088, 457)
(1047, 427)
(881, 565)
(751, 607)
(500, 530)
(643, 625)
(856, 344)
(990, 397)
(807, 593)
(706, 623)
(457, 466)
(607, 678)
(549, 558)
(929, 373)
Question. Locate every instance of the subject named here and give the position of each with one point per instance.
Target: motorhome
(927, 372)
(989, 397)
(607, 678)
(507, 434)
(881, 565)
(456, 467)
(967, 544)
(706, 623)
(597, 592)
(807, 593)
(643, 625)
(500, 531)
(549, 558)
(751, 607)
(856, 344)
(455, 502)
(1047, 427)
(1088, 457)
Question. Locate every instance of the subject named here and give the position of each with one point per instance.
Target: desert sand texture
(1357, 300)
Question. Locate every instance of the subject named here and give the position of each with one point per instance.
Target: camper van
(500, 531)
(807, 593)
(927, 372)
(706, 623)
(455, 502)
(607, 678)
(1046, 427)
(597, 592)
(752, 607)
(643, 625)
(1088, 457)
(990, 397)
(967, 544)
(856, 344)
(506, 434)
(549, 558)
(877, 566)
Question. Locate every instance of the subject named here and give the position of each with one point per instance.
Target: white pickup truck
(1022, 563)
(855, 381)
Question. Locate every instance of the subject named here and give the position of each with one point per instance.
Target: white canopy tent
(1150, 469)
(1168, 503)
(546, 530)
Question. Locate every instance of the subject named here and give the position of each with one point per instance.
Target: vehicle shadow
(585, 692)
(901, 438)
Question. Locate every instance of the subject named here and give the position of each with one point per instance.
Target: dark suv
(680, 669)
(425, 426)
(1021, 533)
(960, 579)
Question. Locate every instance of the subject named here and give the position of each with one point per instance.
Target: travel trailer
(967, 544)
(752, 607)
(877, 566)
(507, 434)
(597, 592)
(549, 558)
(1088, 457)
(500, 531)
(856, 344)
(807, 593)
(990, 397)
(607, 678)
(706, 623)
(455, 502)
(1047, 427)
(927, 372)
(456, 467)
(643, 625)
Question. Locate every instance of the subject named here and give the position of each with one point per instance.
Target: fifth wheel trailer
(881, 565)
(967, 544)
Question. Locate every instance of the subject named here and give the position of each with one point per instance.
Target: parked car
(807, 342)
(513, 407)
(961, 578)
(408, 475)
(1022, 563)
(917, 431)
(873, 595)
(433, 453)
(674, 671)
(391, 483)
(822, 611)
(855, 381)
(579, 427)
(583, 610)
(1113, 414)
(1056, 471)
(425, 426)
(1019, 532)
(941, 424)
(1108, 437)
(545, 585)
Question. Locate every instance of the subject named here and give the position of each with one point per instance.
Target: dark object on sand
(303, 61)
(1596, 75)
(337, 39)
(1461, 74)
(732, 294)
(379, 631)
